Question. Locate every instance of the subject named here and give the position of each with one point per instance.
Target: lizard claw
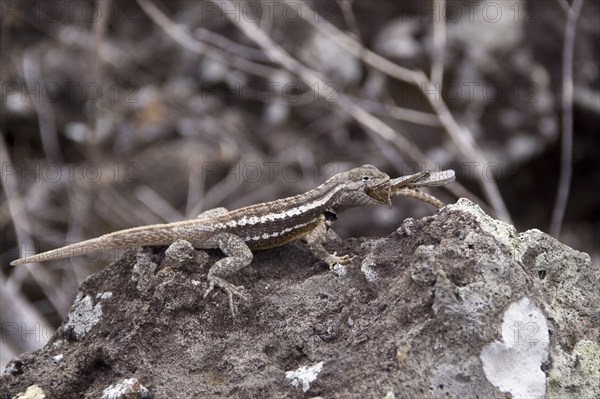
(229, 289)
(342, 260)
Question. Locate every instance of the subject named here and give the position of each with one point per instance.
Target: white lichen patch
(367, 269)
(407, 227)
(104, 295)
(128, 388)
(514, 364)
(340, 270)
(58, 343)
(32, 392)
(83, 316)
(390, 395)
(303, 376)
(57, 359)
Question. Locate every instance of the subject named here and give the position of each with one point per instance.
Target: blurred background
(117, 114)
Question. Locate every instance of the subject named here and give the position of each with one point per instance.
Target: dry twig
(97, 72)
(439, 43)
(46, 118)
(566, 154)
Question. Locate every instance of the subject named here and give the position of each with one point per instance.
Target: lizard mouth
(380, 193)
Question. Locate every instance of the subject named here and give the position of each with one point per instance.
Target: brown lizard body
(236, 233)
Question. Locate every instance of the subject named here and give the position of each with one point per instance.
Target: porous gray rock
(453, 305)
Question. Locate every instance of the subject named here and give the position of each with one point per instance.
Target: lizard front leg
(238, 256)
(315, 240)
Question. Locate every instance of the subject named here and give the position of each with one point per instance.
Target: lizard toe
(231, 291)
(335, 259)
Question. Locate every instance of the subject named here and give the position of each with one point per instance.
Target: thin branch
(399, 113)
(97, 72)
(460, 135)
(566, 156)
(346, 7)
(229, 46)
(160, 206)
(195, 191)
(439, 42)
(564, 4)
(45, 112)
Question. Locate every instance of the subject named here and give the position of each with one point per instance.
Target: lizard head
(365, 185)
(376, 184)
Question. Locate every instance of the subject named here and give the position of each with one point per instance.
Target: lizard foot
(334, 259)
(229, 289)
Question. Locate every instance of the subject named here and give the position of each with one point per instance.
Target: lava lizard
(237, 233)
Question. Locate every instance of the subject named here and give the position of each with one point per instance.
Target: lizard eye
(366, 178)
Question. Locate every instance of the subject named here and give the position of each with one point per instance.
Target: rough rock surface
(454, 305)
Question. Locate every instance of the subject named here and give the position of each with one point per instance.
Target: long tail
(158, 234)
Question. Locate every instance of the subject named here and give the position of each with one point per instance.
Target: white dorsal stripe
(298, 210)
(266, 236)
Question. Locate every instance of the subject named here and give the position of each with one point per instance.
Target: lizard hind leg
(237, 256)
